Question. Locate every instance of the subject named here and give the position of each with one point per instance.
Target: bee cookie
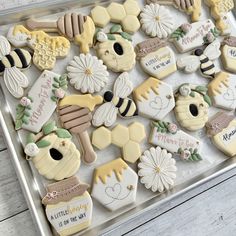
(154, 98)
(156, 21)
(75, 27)
(114, 185)
(222, 90)
(202, 59)
(36, 109)
(156, 58)
(192, 7)
(191, 106)
(116, 102)
(127, 138)
(222, 130)
(87, 73)
(115, 49)
(68, 206)
(167, 135)
(157, 169)
(53, 153)
(228, 54)
(46, 48)
(190, 36)
(11, 64)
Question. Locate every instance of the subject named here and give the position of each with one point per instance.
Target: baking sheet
(186, 170)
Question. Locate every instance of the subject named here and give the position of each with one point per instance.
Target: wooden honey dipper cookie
(75, 27)
(75, 116)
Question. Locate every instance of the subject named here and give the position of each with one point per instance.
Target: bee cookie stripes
(202, 59)
(116, 102)
(46, 48)
(75, 27)
(11, 62)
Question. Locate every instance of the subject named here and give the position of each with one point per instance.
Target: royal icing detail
(53, 153)
(191, 36)
(156, 21)
(229, 53)
(115, 185)
(116, 102)
(127, 138)
(222, 91)
(75, 27)
(36, 109)
(156, 58)
(192, 8)
(11, 64)
(191, 106)
(202, 59)
(126, 15)
(222, 130)
(68, 206)
(157, 169)
(87, 73)
(168, 136)
(46, 48)
(154, 98)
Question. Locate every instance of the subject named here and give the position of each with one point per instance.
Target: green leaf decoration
(18, 124)
(54, 99)
(49, 127)
(161, 126)
(179, 150)
(26, 113)
(30, 138)
(63, 83)
(192, 94)
(115, 29)
(30, 98)
(207, 99)
(29, 107)
(56, 79)
(25, 120)
(20, 115)
(111, 37)
(126, 36)
(20, 108)
(56, 85)
(43, 143)
(201, 89)
(63, 133)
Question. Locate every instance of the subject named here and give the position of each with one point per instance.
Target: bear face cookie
(154, 98)
(53, 153)
(156, 58)
(191, 106)
(114, 185)
(222, 130)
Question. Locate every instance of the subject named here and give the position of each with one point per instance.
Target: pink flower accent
(186, 27)
(172, 128)
(59, 93)
(210, 37)
(185, 154)
(25, 102)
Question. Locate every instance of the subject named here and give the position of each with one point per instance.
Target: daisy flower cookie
(156, 21)
(157, 169)
(87, 73)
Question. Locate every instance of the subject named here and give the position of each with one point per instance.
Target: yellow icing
(221, 80)
(195, 11)
(116, 166)
(143, 90)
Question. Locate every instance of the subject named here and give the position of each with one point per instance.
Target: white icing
(156, 21)
(19, 39)
(229, 136)
(87, 73)
(157, 169)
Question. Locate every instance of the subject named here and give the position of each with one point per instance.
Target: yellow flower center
(88, 71)
(158, 169)
(157, 18)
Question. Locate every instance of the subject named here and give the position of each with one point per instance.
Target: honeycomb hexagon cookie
(132, 7)
(101, 138)
(137, 132)
(130, 24)
(120, 135)
(131, 151)
(100, 16)
(116, 12)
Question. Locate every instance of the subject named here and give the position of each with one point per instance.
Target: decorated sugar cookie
(228, 54)
(36, 108)
(115, 185)
(127, 138)
(68, 206)
(202, 59)
(46, 48)
(75, 27)
(222, 130)
(115, 49)
(53, 153)
(191, 106)
(157, 169)
(11, 64)
(222, 91)
(87, 73)
(190, 36)
(154, 98)
(156, 58)
(167, 135)
(116, 102)
(156, 21)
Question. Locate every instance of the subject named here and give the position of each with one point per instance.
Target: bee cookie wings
(188, 63)
(14, 79)
(212, 51)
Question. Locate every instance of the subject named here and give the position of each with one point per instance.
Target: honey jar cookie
(191, 106)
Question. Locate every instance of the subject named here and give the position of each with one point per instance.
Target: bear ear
(49, 127)
(30, 138)
(63, 133)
